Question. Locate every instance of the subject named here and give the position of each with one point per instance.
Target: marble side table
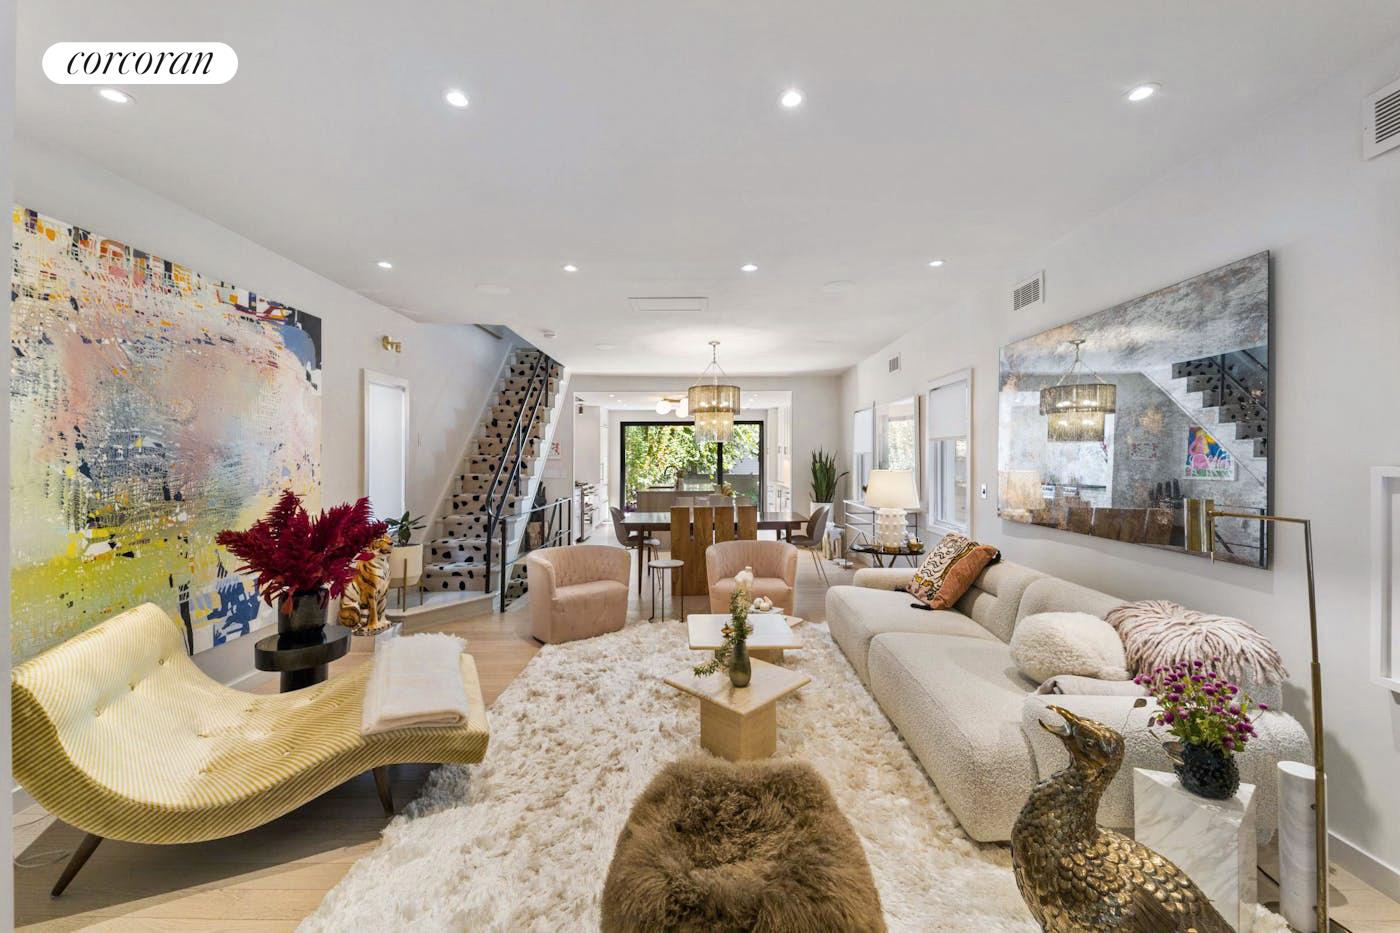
(1213, 841)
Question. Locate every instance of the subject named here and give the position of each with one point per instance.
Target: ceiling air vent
(896, 362)
(670, 305)
(1030, 292)
(1380, 121)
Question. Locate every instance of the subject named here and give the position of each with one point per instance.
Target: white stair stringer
(454, 559)
(1241, 449)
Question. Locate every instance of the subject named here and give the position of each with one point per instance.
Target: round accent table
(880, 553)
(672, 566)
(301, 662)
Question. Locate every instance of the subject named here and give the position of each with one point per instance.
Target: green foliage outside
(655, 452)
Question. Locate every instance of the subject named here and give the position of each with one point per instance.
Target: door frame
(370, 377)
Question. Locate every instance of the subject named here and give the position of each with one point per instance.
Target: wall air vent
(1030, 292)
(896, 362)
(1380, 121)
(670, 305)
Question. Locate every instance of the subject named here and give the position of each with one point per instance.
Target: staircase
(1228, 396)
(500, 471)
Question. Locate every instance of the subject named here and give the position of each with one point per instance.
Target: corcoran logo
(140, 63)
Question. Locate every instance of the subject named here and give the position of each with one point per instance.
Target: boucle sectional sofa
(947, 681)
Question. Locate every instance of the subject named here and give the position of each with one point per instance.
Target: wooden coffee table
(772, 633)
(740, 723)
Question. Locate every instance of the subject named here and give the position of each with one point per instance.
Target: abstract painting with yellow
(150, 408)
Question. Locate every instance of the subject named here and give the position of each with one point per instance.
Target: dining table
(642, 524)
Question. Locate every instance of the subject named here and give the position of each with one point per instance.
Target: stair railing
(515, 443)
(558, 530)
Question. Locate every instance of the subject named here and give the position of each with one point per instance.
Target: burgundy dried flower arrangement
(293, 554)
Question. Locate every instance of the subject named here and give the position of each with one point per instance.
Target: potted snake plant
(825, 479)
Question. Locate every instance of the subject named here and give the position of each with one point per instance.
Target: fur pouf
(716, 847)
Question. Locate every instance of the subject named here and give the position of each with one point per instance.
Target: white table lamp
(891, 493)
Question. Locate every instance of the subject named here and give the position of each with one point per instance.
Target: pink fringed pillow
(1158, 633)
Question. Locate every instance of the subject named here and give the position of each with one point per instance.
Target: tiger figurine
(366, 596)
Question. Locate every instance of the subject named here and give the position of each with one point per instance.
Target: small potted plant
(302, 563)
(406, 558)
(734, 653)
(1211, 720)
(824, 479)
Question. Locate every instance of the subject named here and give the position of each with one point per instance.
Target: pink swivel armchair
(774, 566)
(577, 591)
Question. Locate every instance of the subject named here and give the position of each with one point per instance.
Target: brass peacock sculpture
(1076, 876)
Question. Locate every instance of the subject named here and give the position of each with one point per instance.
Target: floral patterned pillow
(950, 568)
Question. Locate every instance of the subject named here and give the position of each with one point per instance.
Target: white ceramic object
(405, 564)
(1212, 841)
(1297, 852)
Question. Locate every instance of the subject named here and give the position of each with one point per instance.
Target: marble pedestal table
(1212, 841)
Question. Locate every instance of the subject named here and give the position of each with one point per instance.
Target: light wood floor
(272, 877)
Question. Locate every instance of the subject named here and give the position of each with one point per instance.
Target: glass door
(665, 455)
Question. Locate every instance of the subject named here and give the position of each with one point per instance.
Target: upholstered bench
(719, 847)
(118, 733)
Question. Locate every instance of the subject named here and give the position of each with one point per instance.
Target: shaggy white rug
(523, 840)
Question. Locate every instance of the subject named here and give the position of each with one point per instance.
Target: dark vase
(1208, 772)
(739, 669)
(302, 616)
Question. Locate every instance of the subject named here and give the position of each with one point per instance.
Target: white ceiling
(643, 142)
(646, 401)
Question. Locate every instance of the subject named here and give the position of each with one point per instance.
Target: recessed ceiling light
(114, 95)
(492, 288)
(838, 287)
(456, 98)
(935, 263)
(384, 264)
(612, 396)
(605, 346)
(570, 267)
(548, 334)
(1142, 92)
(791, 98)
(748, 267)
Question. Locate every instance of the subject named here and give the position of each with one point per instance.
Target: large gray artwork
(1169, 400)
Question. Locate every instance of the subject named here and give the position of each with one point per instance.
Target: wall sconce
(389, 343)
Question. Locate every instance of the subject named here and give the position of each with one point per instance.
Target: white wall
(451, 368)
(1294, 184)
(7, 127)
(816, 420)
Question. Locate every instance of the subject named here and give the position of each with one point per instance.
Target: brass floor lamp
(1200, 538)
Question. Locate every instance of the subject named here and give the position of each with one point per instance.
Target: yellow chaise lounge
(119, 734)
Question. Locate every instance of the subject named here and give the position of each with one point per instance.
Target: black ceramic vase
(302, 616)
(739, 669)
(1208, 772)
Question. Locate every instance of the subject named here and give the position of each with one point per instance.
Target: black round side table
(880, 553)
(301, 660)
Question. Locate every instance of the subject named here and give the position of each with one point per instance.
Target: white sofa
(947, 682)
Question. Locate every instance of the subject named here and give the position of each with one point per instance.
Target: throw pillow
(1049, 643)
(950, 568)
(1159, 633)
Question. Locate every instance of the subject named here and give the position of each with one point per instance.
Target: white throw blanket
(416, 680)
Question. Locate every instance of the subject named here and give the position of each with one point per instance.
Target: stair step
(465, 550)
(454, 575)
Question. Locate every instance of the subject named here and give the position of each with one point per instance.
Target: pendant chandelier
(713, 404)
(1075, 409)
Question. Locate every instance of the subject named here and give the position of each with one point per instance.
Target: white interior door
(386, 444)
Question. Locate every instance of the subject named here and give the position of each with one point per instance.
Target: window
(948, 409)
(654, 453)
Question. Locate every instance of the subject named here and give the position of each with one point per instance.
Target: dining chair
(646, 547)
(811, 540)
